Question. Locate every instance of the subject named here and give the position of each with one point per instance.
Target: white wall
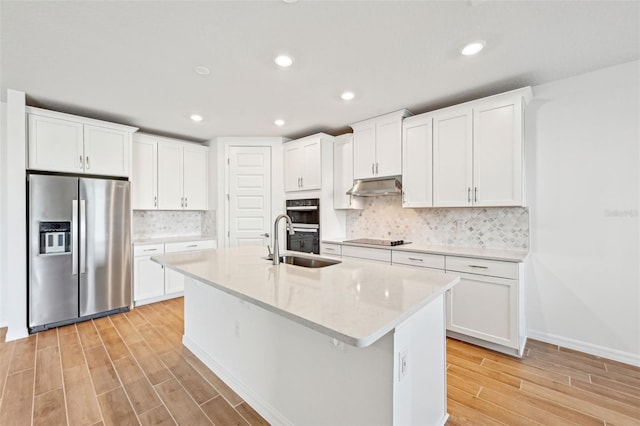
(3, 238)
(583, 185)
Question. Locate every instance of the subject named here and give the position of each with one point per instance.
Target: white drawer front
(418, 259)
(380, 255)
(148, 249)
(494, 268)
(329, 249)
(189, 245)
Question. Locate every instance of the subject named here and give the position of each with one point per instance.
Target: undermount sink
(306, 262)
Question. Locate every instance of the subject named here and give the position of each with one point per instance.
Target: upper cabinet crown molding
(169, 174)
(377, 146)
(303, 162)
(62, 142)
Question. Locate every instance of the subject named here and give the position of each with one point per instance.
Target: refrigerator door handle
(83, 236)
(74, 239)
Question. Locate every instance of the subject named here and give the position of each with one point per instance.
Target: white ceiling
(133, 62)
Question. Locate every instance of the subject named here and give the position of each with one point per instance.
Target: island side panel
(288, 372)
(420, 387)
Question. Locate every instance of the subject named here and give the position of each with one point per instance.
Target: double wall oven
(305, 215)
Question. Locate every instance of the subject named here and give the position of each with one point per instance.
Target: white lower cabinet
(331, 250)
(152, 282)
(486, 306)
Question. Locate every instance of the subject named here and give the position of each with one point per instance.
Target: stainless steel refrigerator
(79, 249)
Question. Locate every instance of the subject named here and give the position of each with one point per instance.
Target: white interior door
(249, 195)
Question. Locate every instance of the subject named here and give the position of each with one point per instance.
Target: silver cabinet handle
(81, 162)
(376, 168)
(478, 266)
(186, 202)
(266, 235)
(150, 250)
(192, 245)
(475, 194)
(329, 249)
(182, 202)
(74, 239)
(301, 182)
(373, 172)
(416, 259)
(87, 161)
(155, 201)
(468, 194)
(404, 197)
(83, 236)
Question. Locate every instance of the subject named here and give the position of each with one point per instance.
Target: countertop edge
(165, 240)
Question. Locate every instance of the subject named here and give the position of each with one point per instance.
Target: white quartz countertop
(146, 241)
(478, 253)
(356, 302)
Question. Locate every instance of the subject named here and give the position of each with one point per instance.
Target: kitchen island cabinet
(351, 343)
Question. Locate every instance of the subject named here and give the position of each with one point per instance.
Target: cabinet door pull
(181, 201)
(475, 194)
(192, 245)
(416, 259)
(376, 168)
(468, 194)
(373, 169)
(478, 267)
(301, 182)
(186, 202)
(155, 201)
(329, 249)
(87, 160)
(150, 249)
(81, 162)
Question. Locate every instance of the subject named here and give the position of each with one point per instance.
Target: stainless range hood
(373, 187)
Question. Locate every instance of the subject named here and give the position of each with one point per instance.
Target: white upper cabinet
(169, 174)
(66, 143)
(303, 163)
(377, 146)
(144, 173)
(417, 170)
(343, 174)
(478, 152)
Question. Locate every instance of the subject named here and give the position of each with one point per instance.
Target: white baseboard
(269, 413)
(589, 348)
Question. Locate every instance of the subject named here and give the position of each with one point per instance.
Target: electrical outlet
(403, 365)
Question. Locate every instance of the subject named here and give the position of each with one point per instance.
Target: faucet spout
(276, 244)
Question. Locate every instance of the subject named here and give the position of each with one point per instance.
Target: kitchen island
(352, 343)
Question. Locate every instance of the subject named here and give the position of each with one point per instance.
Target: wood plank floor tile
(82, 403)
(114, 344)
(607, 393)
(72, 356)
(156, 341)
(68, 336)
(568, 360)
(24, 354)
(17, 400)
(251, 415)
(183, 409)
(126, 330)
(524, 372)
(102, 372)
(492, 410)
(462, 384)
(135, 318)
(462, 415)
(159, 416)
(48, 370)
(49, 409)
(47, 338)
(618, 382)
(212, 378)
(221, 413)
(116, 409)
(489, 373)
(155, 370)
(628, 370)
(199, 389)
(6, 351)
(102, 323)
(88, 335)
(136, 385)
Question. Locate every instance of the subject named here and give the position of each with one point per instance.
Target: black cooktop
(375, 242)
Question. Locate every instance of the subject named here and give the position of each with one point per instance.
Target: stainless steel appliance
(375, 242)
(305, 216)
(79, 249)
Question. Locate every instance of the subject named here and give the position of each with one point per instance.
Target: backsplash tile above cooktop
(496, 227)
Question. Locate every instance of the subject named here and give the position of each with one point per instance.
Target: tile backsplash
(483, 227)
(166, 224)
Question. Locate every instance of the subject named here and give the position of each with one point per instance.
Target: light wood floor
(132, 369)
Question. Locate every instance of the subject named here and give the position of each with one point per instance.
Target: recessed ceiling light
(202, 70)
(347, 96)
(279, 122)
(284, 61)
(290, 1)
(473, 48)
(195, 117)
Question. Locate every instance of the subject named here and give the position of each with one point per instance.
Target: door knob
(266, 234)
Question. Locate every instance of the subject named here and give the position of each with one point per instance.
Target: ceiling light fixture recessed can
(284, 61)
(195, 117)
(202, 70)
(347, 96)
(279, 122)
(473, 48)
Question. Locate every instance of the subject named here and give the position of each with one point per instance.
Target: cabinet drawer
(189, 245)
(418, 259)
(148, 249)
(331, 249)
(494, 268)
(380, 255)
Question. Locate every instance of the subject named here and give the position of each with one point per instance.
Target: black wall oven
(305, 215)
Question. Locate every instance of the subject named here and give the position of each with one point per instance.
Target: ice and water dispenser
(55, 237)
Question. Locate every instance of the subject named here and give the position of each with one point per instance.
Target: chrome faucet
(276, 245)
